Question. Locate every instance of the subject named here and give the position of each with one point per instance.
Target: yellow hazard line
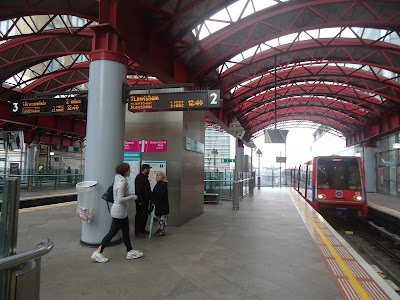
(47, 207)
(360, 290)
(386, 208)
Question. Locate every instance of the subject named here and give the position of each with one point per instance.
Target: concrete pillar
(105, 125)
(370, 168)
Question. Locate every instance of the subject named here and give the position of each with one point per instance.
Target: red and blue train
(332, 183)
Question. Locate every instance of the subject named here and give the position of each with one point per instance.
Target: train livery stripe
(46, 207)
(352, 279)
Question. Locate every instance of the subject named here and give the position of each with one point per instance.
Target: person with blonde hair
(160, 202)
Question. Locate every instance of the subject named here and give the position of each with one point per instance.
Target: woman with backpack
(119, 214)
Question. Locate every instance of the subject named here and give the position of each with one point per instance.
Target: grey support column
(105, 128)
(370, 168)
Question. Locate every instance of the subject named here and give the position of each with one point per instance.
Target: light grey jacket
(119, 210)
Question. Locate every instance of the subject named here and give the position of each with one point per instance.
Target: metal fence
(221, 183)
(44, 179)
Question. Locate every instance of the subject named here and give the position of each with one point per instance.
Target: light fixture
(396, 146)
(51, 153)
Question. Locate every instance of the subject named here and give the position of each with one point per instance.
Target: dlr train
(332, 183)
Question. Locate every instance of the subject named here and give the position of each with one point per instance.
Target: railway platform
(385, 204)
(274, 247)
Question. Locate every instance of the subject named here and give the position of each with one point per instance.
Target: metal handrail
(41, 249)
(239, 180)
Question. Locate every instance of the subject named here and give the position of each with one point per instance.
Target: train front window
(343, 174)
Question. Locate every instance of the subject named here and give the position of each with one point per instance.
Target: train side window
(310, 177)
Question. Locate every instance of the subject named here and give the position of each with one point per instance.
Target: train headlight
(358, 198)
(321, 196)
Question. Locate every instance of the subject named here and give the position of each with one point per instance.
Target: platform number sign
(214, 99)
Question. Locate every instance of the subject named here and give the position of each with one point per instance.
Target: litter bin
(86, 200)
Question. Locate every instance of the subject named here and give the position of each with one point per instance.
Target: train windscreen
(338, 174)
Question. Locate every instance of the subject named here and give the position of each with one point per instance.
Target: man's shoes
(140, 234)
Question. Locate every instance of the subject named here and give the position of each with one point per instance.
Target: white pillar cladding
(105, 140)
(370, 169)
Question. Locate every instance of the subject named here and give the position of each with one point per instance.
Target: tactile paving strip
(352, 279)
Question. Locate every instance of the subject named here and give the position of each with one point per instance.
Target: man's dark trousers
(141, 218)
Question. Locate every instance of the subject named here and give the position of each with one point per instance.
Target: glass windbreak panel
(338, 174)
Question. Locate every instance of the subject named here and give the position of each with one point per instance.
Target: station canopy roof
(332, 64)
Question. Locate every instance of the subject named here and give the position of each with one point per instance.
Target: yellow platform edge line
(386, 208)
(47, 207)
(342, 264)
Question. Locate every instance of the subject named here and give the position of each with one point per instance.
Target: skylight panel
(288, 39)
(235, 9)
(249, 10)
(222, 15)
(329, 32)
(347, 33)
(273, 43)
(236, 59)
(214, 26)
(249, 52)
(304, 36)
(262, 4)
(203, 32)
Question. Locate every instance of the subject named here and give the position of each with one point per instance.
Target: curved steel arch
(345, 95)
(87, 9)
(75, 75)
(289, 103)
(315, 99)
(355, 82)
(289, 18)
(352, 51)
(317, 115)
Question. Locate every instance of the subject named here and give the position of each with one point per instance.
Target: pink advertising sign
(145, 146)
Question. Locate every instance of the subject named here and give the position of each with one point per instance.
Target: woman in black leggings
(119, 214)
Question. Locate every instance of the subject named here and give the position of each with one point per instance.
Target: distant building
(221, 141)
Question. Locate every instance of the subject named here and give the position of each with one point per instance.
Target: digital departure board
(50, 106)
(175, 101)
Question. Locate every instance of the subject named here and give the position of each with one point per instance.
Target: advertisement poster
(133, 159)
(155, 167)
(380, 178)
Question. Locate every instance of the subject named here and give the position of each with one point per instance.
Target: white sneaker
(134, 254)
(98, 257)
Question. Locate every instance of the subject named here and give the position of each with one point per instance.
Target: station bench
(211, 198)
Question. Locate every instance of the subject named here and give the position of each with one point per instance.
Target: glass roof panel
(235, 12)
(392, 37)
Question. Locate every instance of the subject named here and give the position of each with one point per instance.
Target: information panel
(50, 106)
(175, 101)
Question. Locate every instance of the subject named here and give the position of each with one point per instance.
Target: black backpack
(109, 195)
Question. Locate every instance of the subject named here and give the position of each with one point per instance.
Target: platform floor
(262, 251)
